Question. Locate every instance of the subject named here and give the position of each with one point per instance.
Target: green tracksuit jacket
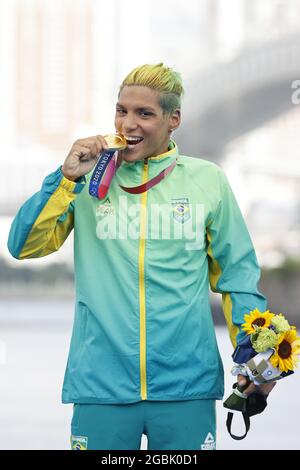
(143, 328)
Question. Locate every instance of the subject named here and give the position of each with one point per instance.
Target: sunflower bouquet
(270, 349)
(268, 352)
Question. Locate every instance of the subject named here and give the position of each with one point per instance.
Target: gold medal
(116, 141)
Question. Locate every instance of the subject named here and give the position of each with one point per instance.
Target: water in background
(34, 342)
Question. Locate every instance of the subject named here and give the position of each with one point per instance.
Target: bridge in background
(220, 105)
(233, 98)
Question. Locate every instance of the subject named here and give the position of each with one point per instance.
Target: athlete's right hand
(83, 156)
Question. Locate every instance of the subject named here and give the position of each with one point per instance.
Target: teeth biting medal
(133, 140)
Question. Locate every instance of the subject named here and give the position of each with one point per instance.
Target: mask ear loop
(238, 390)
(229, 422)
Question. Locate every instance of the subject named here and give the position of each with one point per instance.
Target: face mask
(248, 405)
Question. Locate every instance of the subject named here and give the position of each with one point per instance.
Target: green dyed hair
(160, 78)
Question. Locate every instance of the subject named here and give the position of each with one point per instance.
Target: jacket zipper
(142, 291)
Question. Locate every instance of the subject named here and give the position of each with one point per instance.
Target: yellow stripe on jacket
(48, 233)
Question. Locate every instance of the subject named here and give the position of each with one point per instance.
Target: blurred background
(61, 65)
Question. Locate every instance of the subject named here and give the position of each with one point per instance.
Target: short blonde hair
(160, 78)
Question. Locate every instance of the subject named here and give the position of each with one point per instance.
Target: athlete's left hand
(264, 389)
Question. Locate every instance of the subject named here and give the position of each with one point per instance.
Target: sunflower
(286, 351)
(257, 318)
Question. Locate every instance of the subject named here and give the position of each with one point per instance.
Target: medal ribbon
(106, 168)
(149, 184)
(100, 182)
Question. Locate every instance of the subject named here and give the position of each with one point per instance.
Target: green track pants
(168, 425)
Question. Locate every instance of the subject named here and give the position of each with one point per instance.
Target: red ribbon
(149, 184)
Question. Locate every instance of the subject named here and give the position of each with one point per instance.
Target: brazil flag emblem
(79, 442)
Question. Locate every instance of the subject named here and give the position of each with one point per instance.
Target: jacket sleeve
(233, 267)
(45, 220)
